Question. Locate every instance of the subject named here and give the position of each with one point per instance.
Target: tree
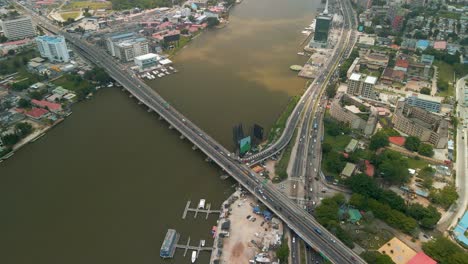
(10, 139)
(376, 257)
(442, 85)
(412, 143)
(378, 140)
(444, 197)
(427, 216)
(11, 52)
(212, 22)
(23, 129)
(425, 90)
(23, 103)
(192, 18)
(392, 166)
(426, 150)
(282, 253)
(326, 147)
(184, 31)
(445, 251)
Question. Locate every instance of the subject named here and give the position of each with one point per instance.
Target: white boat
(171, 68)
(201, 204)
(202, 243)
(159, 75)
(162, 74)
(305, 32)
(194, 256)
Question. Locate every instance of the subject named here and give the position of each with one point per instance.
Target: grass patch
(445, 73)
(280, 123)
(416, 163)
(67, 15)
(91, 5)
(184, 40)
(338, 142)
(282, 164)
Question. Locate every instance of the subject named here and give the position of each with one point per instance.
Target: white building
(18, 28)
(361, 85)
(54, 48)
(147, 61)
(426, 102)
(131, 48)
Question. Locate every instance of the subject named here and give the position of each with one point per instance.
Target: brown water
(106, 184)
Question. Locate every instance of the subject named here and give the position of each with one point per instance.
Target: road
(303, 224)
(462, 148)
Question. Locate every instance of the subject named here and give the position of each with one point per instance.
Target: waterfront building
(426, 102)
(116, 38)
(322, 29)
(415, 121)
(54, 48)
(147, 61)
(18, 28)
(361, 85)
(128, 49)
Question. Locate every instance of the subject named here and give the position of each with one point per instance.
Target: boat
(201, 204)
(295, 67)
(305, 32)
(213, 231)
(155, 72)
(194, 256)
(171, 68)
(159, 75)
(162, 74)
(202, 243)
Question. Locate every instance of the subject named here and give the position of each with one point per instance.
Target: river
(106, 184)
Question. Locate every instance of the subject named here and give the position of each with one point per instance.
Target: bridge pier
(131, 96)
(171, 127)
(139, 102)
(181, 137)
(194, 147)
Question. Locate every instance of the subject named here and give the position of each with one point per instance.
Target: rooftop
(51, 39)
(371, 80)
(426, 97)
(398, 251)
(348, 169)
(399, 141)
(147, 56)
(355, 77)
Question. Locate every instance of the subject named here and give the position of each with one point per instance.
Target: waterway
(104, 186)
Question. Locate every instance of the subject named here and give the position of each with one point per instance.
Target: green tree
(426, 150)
(378, 140)
(445, 251)
(184, 31)
(444, 197)
(24, 103)
(392, 166)
(23, 129)
(10, 139)
(212, 22)
(376, 257)
(412, 143)
(425, 90)
(282, 253)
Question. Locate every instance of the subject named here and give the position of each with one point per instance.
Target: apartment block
(18, 28)
(362, 85)
(54, 48)
(426, 102)
(415, 121)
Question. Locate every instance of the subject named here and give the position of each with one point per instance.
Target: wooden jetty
(186, 247)
(207, 211)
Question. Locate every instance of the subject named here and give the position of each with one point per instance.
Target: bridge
(302, 223)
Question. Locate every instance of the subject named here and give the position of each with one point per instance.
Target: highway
(303, 224)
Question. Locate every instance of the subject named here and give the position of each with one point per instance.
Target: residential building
(354, 120)
(128, 49)
(147, 61)
(396, 16)
(18, 28)
(348, 170)
(427, 59)
(415, 121)
(354, 67)
(426, 102)
(362, 85)
(375, 61)
(54, 48)
(116, 38)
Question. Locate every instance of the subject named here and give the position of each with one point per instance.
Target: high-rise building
(127, 46)
(18, 28)
(322, 28)
(361, 85)
(53, 48)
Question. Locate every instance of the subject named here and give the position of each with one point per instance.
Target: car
(294, 240)
(248, 217)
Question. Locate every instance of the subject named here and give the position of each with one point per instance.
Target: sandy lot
(238, 247)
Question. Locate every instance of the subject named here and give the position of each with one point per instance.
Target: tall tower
(322, 29)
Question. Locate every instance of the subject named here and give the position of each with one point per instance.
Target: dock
(186, 247)
(206, 211)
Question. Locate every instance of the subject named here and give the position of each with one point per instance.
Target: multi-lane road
(296, 218)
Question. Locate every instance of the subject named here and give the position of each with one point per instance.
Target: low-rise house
(348, 170)
(53, 107)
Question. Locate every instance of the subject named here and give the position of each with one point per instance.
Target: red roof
(369, 168)
(398, 75)
(400, 141)
(34, 112)
(402, 63)
(46, 104)
(440, 45)
(421, 258)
